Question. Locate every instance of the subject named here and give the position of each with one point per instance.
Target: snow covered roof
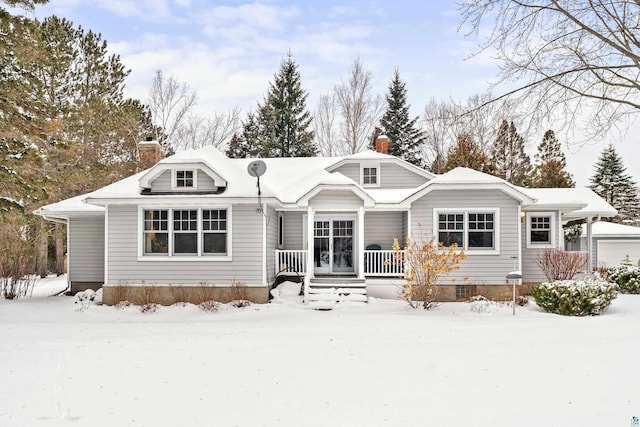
(576, 203)
(293, 181)
(461, 178)
(610, 229)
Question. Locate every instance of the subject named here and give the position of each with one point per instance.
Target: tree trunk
(43, 248)
(59, 250)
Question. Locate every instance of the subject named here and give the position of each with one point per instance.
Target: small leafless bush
(522, 300)
(147, 295)
(179, 293)
(237, 292)
(558, 264)
(17, 261)
(209, 306)
(120, 293)
(206, 292)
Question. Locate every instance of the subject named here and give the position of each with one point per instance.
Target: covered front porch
(355, 244)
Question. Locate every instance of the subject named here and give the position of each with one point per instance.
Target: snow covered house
(199, 217)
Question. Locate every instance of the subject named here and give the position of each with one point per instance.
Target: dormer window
(184, 179)
(370, 175)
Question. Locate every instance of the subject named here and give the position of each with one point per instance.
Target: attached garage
(612, 252)
(612, 243)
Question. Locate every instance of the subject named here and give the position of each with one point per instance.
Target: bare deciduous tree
(170, 103)
(360, 110)
(572, 57)
(198, 131)
(325, 124)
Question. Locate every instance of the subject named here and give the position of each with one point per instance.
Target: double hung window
(469, 230)
(185, 232)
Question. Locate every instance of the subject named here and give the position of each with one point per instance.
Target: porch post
(589, 244)
(360, 256)
(310, 241)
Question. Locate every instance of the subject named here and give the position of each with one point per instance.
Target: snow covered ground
(379, 364)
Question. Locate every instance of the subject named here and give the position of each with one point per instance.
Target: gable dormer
(168, 177)
(372, 169)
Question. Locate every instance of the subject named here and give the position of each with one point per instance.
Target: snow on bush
(480, 304)
(209, 306)
(588, 297)
(626, 276)
(149, 307)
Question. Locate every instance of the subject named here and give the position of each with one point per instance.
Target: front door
(333, 246)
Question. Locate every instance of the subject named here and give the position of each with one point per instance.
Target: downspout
(589, 244)
(310, 243)
(264, 249)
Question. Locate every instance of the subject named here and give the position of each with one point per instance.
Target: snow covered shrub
(209, 306)
(149, 307)
(626, 276)
(480, 304)
(558, 264)
(240, 303)
(575, 297)
(425, 262)
(122, 304)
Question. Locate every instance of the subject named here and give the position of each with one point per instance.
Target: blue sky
(229, 50)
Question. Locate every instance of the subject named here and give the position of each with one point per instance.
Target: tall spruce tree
(512, 162)
(611, 182)
(550, 163)
(283, 120)
(467, 153)
(405, 139)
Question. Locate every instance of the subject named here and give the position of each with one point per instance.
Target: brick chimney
(382, 144)
(150, 153)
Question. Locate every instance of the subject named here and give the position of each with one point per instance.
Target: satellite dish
(256, 168)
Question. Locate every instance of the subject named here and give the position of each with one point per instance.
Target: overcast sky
(229, 51)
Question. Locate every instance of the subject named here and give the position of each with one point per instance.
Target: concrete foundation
(167, 295)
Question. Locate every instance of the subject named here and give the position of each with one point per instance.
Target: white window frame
(465, 229)
(174, 179)
(552, 230)
(370, 165)
(170, 255)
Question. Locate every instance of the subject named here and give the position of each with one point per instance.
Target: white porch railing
(294, 261)
(375, 263)
(384, 263)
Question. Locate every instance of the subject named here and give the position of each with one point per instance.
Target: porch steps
(325, 294)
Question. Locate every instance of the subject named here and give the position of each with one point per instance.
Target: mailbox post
(515, 277)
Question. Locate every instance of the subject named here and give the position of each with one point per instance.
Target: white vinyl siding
(336, 200)
(85, 249)
(166, 182)
(391, 175)
(382, 227)
(487, 269)
(244, 267)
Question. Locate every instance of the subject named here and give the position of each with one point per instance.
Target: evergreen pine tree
(405, 140)
(611, 182)
(246, 144)
(550, 162)
(467, 153)
(512, 162)
(283, 120)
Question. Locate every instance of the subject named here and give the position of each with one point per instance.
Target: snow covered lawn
(282, 365)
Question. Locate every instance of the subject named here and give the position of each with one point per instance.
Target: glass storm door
(333, 247)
